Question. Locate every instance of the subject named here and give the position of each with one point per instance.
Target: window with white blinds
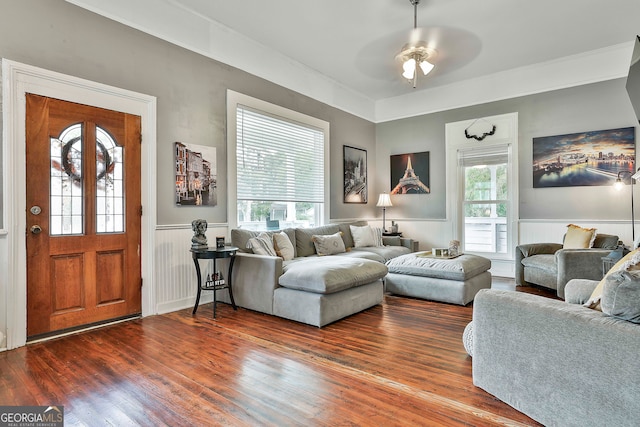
(278, 165)
(484, 174)
(278, 159)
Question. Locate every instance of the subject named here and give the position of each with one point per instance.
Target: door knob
(36, 229)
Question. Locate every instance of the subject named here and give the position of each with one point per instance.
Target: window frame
(506, 135)
(235, 98)
(486, 153)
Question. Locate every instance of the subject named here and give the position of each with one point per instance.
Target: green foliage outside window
(478, 186)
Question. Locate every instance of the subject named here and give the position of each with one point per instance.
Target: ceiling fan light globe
(426, 67)
(409, 68)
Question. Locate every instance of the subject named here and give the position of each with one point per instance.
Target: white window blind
(491, 155)
(278, 159)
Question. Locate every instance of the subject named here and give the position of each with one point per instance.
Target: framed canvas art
(410, 173)
(355, 175)
(584, 158)
(195, 175)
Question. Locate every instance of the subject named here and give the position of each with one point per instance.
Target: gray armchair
(548, 265)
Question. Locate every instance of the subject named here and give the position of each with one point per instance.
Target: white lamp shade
(409, 68)
(426, 67)
(384, 200)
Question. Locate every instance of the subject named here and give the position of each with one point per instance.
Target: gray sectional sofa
(313, 289)
(559, 362)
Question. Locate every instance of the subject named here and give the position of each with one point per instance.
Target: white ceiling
(349, 46)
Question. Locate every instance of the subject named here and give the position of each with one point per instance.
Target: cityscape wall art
(355, 175)
(196, 177)
(584, 159)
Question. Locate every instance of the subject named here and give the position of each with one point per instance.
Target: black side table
(214, 285)
(613, 257)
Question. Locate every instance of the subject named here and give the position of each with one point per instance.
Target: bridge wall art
(584, 159)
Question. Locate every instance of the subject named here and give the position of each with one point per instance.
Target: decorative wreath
(69, 167)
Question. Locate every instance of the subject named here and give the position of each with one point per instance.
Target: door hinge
(140, 210)
(140, 138)
(141, 283)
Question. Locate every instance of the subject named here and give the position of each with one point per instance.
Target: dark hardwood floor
(401, 363)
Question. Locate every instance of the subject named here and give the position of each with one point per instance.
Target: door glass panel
(66, 212)
(109, 184)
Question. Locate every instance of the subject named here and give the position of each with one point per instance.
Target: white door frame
(18, 80)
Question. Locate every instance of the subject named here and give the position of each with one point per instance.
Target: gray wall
(190, 88)
(603, 105)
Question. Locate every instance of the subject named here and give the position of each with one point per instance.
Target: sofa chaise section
(290, 289)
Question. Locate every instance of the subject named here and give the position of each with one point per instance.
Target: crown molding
(590, 67)
(172, 22)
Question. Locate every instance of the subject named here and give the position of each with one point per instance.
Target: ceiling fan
(416, 55)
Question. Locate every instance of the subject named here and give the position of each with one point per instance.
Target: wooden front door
(83, 215)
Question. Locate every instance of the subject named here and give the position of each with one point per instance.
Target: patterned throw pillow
(262, 245)
(283, 246)
(328, 244)
(377, 236)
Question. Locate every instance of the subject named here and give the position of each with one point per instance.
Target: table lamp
(384, 201)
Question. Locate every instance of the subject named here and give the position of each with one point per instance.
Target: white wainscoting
(553, 230)
(176, 281)
(176, 277)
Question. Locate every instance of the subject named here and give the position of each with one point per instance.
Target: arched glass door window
(68, 186)
(109, 184)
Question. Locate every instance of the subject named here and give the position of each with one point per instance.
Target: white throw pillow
(283, 246)
(262, 245)
(362, 236)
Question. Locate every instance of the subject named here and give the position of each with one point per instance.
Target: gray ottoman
(455, 280)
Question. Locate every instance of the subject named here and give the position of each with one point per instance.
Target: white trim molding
(212, 39)
(505, 133)
(236, 98)
(18, 80)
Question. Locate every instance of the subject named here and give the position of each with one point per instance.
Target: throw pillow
(262, 244)
(621, 296)
(283, 246)
(377, 236)
(578, 237)
(467, 338)
(362, 236)
(328, 244)
(629, 262)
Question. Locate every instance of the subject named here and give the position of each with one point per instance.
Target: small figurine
(454, 247)
(394, 227)
(199, 239)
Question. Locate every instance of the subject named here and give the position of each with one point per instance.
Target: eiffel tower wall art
(410, 173)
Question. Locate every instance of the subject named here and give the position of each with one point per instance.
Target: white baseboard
(181, 304)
